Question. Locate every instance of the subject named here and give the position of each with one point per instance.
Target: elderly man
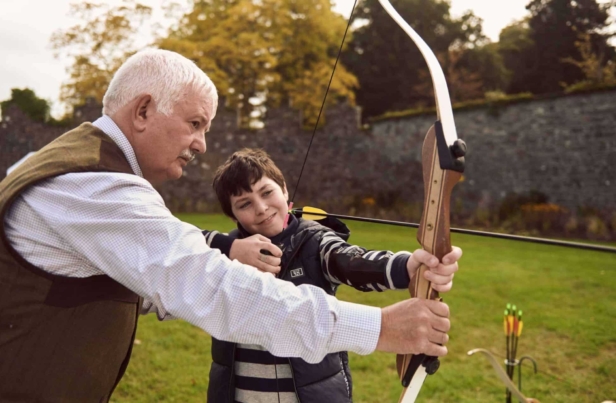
(88, 244)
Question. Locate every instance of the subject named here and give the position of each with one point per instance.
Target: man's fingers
(273, 249)
(437, 337)
(269, 260)
(415, 326)
(435, 350)
(261, 238)
(438, 308)
(267, 268)
(441, 325)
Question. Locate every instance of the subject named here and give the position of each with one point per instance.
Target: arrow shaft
(553, 242)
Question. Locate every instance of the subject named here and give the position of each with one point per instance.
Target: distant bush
(533, 213)
(494, 101)
(589, 86)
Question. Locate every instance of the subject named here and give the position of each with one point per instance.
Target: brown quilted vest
(62, 339)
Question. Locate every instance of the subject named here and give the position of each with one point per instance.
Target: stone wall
(564, 147)
(19, 134)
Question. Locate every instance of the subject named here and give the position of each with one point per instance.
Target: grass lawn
(568, 297)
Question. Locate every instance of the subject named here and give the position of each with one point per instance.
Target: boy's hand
(440, 274)
(248, 251)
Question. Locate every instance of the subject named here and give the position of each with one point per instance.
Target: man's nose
(198, 145)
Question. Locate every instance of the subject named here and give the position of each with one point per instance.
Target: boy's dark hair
(242, 170)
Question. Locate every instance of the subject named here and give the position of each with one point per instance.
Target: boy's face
(263, 210)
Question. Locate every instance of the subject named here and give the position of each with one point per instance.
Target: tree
(26, 100)
(516, 47)
(262, 53)
(487, 63)
(389, 65)
(596, 72)
(97, 46)
(555, 26)
(311, 45)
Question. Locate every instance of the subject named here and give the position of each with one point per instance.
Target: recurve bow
(443, 165)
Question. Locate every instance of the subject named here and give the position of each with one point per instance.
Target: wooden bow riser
(433, 233)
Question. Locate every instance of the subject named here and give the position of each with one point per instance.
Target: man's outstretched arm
(118, 225)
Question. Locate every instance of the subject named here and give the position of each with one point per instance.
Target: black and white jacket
(315, 253)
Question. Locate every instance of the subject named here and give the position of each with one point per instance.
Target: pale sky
(26, 26)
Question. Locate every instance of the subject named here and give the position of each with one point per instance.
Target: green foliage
(511, 204)
(26, 100)
(66, 121)
(568, 329)
(546, 50)
(488, 62)
(589, 86)
(494, 101)
(102, 40)
(392, 72)
(533, 213)
(265, 53)
(597, 74)
(516, 47)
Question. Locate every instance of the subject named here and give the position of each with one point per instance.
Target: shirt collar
(111, 129)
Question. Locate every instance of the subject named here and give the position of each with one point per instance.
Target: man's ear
(144, 108)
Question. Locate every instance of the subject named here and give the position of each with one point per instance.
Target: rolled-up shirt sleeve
(117, 224)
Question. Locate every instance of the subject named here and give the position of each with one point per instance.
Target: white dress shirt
(92, 223)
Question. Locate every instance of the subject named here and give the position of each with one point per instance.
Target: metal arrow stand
(512, 390)
(511, 366)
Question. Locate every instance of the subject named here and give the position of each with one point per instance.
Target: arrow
(318, 214)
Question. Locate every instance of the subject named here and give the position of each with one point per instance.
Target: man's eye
(195, 124)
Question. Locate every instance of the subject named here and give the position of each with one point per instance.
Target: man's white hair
(163, 74)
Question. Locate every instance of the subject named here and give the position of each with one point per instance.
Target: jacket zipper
(295, 252)
(346, 380)
(293, 378)
(231, 385)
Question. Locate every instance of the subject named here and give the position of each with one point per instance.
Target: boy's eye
(267, 192)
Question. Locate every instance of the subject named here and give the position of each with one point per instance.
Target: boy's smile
(263, 210)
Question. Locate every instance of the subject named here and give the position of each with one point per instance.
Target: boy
(252, 191)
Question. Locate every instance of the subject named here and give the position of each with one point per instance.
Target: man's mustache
(188, 155)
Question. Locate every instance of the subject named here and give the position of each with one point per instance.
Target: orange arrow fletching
(520, 328)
